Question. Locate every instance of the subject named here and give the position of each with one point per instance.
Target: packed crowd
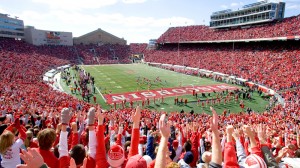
(142, 138)
(274, 65)
(104, 54)
(54, 129)
(137, 48)
(285, 28)
(21, 47)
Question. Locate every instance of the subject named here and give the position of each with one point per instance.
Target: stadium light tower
(183, 61)
(232, 57)
(178, 54)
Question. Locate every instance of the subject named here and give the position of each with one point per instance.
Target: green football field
(113, 79)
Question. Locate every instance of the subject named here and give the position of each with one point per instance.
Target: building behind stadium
(255, 13)
(46, 37)
(12, 27)
(99, 37)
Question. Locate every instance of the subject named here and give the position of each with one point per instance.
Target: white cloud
(133, 1)
(293, 7)
(71, 5)
(3, 11)
(224, 6)
(234, 4)
(132, 28)
(293, 4)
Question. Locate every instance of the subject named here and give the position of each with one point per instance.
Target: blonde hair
(28, 139)
(6, 141)
(173, 165)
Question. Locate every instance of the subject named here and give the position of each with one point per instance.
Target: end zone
(165, 92)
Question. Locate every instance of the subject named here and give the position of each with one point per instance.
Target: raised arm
(216, 145)
(92, 138)
(268, 156)
(63, 139)
(74, 135)
(239, 147)
(92, 134)
(165, 131)
(136, 116)
(230, 159)
(254, 147)
(101, 152)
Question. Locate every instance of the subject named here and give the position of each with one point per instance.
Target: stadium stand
(274, 65)
(287, 27)
(27, 101)
(104, 54)
(137, 48)
(34, 114)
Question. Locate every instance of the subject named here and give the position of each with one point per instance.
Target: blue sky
(134, 20)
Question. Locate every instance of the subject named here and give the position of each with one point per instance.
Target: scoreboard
(53, 35)
(53, 38)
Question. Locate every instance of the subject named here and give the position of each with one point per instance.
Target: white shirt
(182, 164)
(11, 158)
(178, 152)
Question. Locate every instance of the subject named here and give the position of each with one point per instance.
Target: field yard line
(101, 94)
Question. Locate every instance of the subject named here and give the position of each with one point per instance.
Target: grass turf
(123, 78)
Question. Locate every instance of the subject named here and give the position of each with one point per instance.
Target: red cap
(141, 140)
(115, 156)
(136, 161)
(175, 143)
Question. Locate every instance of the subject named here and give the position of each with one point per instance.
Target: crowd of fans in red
(275, 65)
(104, 54)
(287, 27)
(37, 118)
(137, 48)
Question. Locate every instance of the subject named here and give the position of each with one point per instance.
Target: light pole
(178, 54)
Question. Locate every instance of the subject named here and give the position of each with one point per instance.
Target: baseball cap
(115, 156)
(188, 157)
(136, 161)
(175, 143)
(254, 161)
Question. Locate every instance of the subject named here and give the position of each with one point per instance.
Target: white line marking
(101, 94)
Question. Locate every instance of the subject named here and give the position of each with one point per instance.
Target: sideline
(100, 94)
(56, 85)
(95, 86)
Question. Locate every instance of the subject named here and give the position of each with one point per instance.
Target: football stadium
(196, 96)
